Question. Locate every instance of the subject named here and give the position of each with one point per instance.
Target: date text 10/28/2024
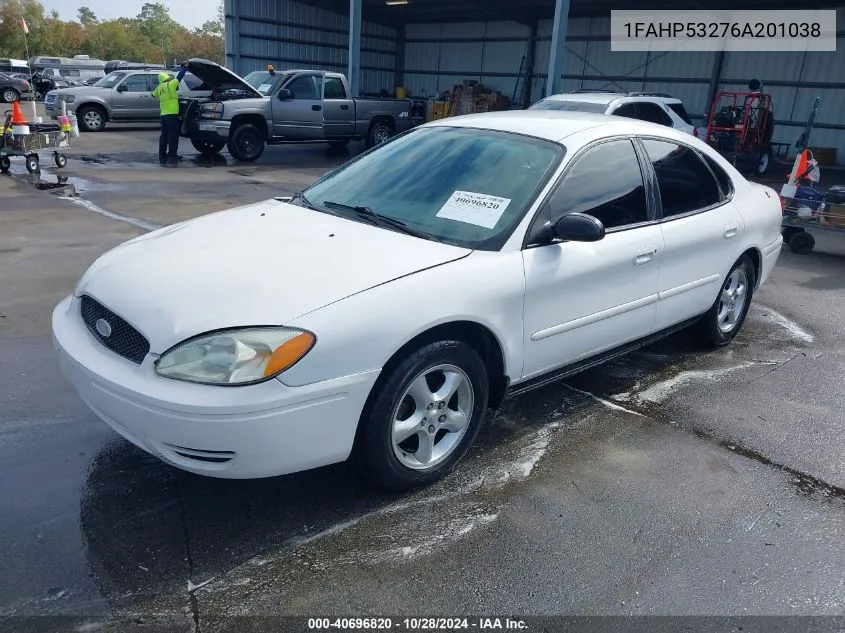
(416, 624)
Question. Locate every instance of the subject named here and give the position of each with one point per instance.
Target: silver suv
(123, 96)
(655, 107)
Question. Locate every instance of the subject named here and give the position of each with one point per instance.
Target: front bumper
(246, 432)
(211, 130)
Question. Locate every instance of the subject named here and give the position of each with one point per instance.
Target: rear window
(570, 106)
(678, 108)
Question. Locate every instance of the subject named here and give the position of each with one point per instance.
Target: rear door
(701, 229)
(339, 114)
(301, 116)
(132, 98)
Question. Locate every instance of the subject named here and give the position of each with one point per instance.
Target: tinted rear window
(570, 106)
(678, 108)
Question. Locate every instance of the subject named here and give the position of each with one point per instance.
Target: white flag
(24, 27)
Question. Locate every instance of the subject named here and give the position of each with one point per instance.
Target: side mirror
(285, 94)
(579, 227)
(122, 88)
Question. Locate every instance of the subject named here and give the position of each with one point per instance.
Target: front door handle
(645, 255)
(731, 230)
(316, 108)
(344, 107)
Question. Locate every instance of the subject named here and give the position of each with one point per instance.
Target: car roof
(608, 97)
(556, 125)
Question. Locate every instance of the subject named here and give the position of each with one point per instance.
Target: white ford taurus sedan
(378, 315)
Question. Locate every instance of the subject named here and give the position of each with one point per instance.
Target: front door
(701, 228)
(132, 98)
(586, 298)
(300, 118)
(339, 116)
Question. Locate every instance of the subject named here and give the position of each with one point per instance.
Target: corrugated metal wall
(438, 56)
(289, 34)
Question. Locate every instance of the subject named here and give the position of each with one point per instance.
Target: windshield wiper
(376, 218)
(301, 196)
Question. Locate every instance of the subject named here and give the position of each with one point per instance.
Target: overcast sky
(191, 13)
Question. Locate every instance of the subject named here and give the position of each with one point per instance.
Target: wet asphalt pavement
(671, 481)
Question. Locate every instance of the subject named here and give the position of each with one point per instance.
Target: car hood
(217, 77)
(262, 264)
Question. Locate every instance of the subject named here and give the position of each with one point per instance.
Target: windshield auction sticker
(479, 209)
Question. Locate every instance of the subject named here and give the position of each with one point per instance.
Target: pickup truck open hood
(217, 77)
(262, 264)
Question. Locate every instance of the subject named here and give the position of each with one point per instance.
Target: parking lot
(669, 482)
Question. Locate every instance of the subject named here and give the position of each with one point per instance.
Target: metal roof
(526, 10)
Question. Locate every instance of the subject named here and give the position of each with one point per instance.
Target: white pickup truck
(291, 106)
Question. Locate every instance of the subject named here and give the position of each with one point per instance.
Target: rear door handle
(316, 108)
(731, 230)
(645, 255)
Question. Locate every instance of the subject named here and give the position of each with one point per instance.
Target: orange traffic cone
(17, 114)
(20, 126)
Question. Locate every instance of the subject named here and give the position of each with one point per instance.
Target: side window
(606, 183)
(136, 83)
(684, 181)
(725, 181)
(334, 89)
(308, 87)
(628, 110)
(654, 114)
(152, 82)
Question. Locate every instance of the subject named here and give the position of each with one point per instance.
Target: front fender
(362, 332)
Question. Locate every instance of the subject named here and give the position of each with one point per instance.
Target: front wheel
(5, 164)
(32, 163)
(424, 417)
(208, 148)
(246, 143)
(61, 161)
(91, 118)
(722, 322)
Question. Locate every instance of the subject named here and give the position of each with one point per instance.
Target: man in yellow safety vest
(167, 94)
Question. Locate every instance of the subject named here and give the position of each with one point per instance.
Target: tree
(86, 16)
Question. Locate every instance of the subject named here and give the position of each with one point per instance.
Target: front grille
(115, 333)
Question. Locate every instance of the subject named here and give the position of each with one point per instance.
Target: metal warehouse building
(515, 46)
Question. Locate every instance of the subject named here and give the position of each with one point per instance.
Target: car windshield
(570, 106)
(463, 186)
(110, 80)
(264, 81)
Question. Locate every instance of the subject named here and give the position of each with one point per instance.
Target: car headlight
(236, 357)
(211, 111)
(68, 98)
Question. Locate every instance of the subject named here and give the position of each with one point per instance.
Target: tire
(32, 163)
(91, 118)
(802, 243)
(397, 465)
(5, 164)
(207, 148)
(61, 161)
(764, 162)
(788, 232)
(10, 95)
(720, 325)
(379, 133)
(246, 143)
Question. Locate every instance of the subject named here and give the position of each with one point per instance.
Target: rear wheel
(207, 147)
(246, 143)
(722, 322)
(11, 95)
(424, 416)
(32, 163)
(5, 164)
(61, 160)
(380, 132)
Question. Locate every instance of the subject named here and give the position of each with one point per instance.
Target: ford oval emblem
(103, 327)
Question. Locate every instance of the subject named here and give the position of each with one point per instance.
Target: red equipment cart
(740, 127)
